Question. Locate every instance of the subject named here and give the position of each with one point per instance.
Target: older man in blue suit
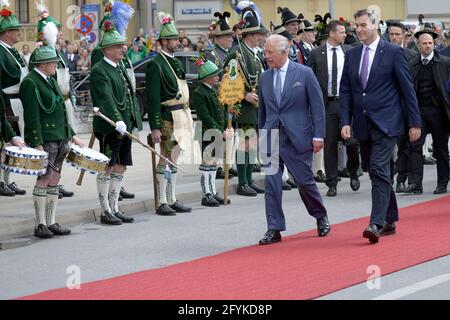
(375, 81)
(291, 109)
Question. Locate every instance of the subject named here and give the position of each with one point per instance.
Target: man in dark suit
(72, 59)
(291, 110)
(374, 83)
(327, 62)
(430, 71)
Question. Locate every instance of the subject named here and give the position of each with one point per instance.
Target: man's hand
(317, 146)
(252, 98)
(16, 141)
(77, 141)
(121, 127)
(346, 132)
(414, 134)
(156, 136)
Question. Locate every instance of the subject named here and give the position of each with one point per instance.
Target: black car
(191, 76)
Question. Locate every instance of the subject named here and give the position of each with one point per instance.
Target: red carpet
(302, 266)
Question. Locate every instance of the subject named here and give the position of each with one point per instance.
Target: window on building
(22, 11)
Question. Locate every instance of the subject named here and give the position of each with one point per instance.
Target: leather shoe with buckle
(64, 192)
(220, 199)
(5, 191)
(13, 187)
(245, 190)
(165, 210)
(42, 231)
(270, 237)
(125, 194)
(56, 229)
(332, 191)
(388, 229)
(109, 218)
(440, 189)
(354, 183)
(257, 188)
(209, 201)
(178, 207)
(372, 233)
(414, 189)
(123, 217)
(323, 227)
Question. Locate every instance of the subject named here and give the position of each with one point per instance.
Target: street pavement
(100, 252)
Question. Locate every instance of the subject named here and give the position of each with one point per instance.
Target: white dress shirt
(110, 62)
(372, 50)
(5, 44)
(41, 74)
(340, 67)
(430, 57)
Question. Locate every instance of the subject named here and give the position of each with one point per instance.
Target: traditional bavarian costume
(46, 125)
(287, 16)
(168, 111)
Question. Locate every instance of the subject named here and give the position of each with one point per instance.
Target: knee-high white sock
(39, 200)
(204, 179)
(114, 191)
(103, 190)
(6, 176)
(212, 179)
(171, 197)
(161, 184)
(285, 174)
(51, 203)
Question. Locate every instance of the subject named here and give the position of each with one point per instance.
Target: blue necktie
(364, 75)
(278, 86)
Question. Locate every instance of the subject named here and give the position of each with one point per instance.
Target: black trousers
(434, 121)
(332, 136)
(403, 158)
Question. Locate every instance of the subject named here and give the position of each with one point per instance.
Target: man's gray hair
(281, 43)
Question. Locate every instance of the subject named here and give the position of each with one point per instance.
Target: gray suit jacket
(301, 112)
(318, 62)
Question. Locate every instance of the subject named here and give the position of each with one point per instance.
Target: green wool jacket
(252, 69)
(6, 131)
(111, 92)
(161, 85)
(44, 111)
(208, 108)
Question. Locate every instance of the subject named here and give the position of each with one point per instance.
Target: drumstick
(91, 144)
(133, 137)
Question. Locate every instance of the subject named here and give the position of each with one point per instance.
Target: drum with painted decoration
(87, 159)
(27, 161)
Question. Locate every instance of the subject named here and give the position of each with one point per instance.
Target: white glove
(121, 127)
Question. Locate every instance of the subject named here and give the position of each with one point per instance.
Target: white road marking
(419, 286)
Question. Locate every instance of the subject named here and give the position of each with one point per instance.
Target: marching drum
(24, 160)
(87, 159)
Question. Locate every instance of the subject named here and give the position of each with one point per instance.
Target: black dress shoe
(257, 188)
(108, 218)
(388, 229)
(165, 210)
(220, 199)
(41, 231)
(13, 187)
(123, 217)
(178, 207)
(323, 227)
(126, 195)
(291, 183)
(429, 160)
(400, 187)
(5, 191)
(440, 190)
(209, 201)
(64, 192)
(56, 229)
(343, 173)
(320, 177)
(414, 189)
(220, 174)
(354, 183)
(233, 172)
(286, 186)
(332, 191)
(256, 168)
(271, 236)
(372, 233)
(245, 190)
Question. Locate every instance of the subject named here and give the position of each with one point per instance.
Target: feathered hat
(322, 26)
(305, 25)
(8, 21)
(168, 29)
(220, 27)
(206, 68)
(250, 17)
(47, 26)
(281, 30)
(287, 16)
(115, 23)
